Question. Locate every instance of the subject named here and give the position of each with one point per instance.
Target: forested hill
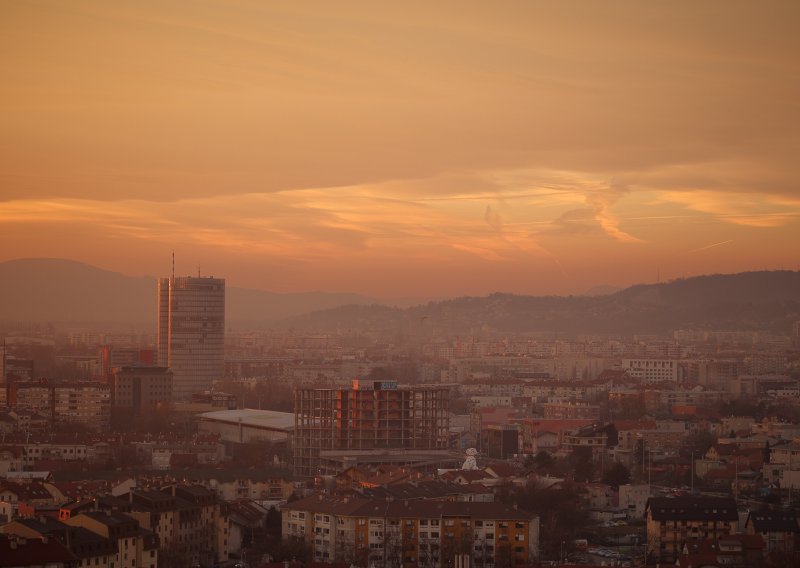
(767, 300)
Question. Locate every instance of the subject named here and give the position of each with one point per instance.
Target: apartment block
(139, 390)
(189, 521)
(412, 533)
(671, 521)
(652, 370)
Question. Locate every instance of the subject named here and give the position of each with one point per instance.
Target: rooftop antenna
(173, 265)
(198, 270)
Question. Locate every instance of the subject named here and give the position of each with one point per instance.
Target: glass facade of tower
(191, 331)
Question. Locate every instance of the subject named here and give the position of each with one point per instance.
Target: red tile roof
(15, 551)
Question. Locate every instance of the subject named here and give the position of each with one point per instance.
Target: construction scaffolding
(372, 415)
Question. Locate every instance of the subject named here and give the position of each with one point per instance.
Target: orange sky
(404, 148)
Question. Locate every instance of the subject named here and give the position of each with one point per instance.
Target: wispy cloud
(714, 245)
(749, 209)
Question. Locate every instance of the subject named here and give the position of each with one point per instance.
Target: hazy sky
(403, 148)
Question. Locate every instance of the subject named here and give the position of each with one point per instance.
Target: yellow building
(135, 547)
(671, 521)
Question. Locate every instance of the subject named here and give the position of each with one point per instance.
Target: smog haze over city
(353, 284)
(403, 149)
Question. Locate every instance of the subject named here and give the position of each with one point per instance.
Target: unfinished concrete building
(374, 421)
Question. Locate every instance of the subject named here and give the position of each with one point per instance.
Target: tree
(617, 475)
(544, 462)
(292, 549)
(697, 443)
(612, 435)
(582, 464)
(560, 510)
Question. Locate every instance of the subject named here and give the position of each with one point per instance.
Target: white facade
(652, 370)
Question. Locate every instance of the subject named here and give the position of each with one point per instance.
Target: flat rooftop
(265, 419)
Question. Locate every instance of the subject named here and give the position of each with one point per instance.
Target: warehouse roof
(266, 419)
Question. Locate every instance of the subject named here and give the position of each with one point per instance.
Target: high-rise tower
(191, 331)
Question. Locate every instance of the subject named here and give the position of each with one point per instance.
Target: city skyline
(415, 150)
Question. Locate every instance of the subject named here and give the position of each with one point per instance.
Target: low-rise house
(11, 459)
(32, 493)
(634, 498)
(734, 551)
(779, 528)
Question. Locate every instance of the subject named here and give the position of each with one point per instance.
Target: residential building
(141, 390)
(500, 441)
(188, 520)
(412, 532)
(76, 402)
(567, 410)
(84, 403)
(634, 498)
(135, 547)
(780, 530)
(90, 548)
(652, 370)
(672, 521)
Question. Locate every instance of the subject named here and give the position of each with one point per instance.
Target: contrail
(712, 246)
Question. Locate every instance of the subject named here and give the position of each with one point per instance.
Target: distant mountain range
(73, 293)
(767, 300)
(65, 291)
